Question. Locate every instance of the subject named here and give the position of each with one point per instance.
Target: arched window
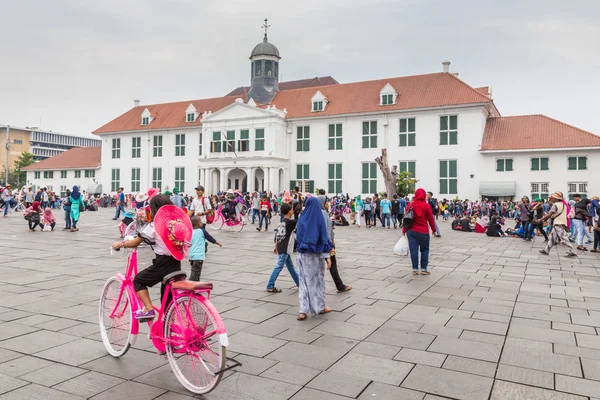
(268, 68)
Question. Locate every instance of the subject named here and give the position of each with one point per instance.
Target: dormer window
(387, 95)
(319, 102)
(145, 120)
(191, 113)
(146, 117)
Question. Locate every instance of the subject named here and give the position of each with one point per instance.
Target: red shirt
(426, 217)
(265, 205)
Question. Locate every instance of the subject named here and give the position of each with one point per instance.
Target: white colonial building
(320, 134)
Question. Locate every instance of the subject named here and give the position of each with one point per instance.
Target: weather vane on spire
(266, 26)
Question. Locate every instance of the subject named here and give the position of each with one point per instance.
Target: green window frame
(259, 139)
(180, 178)
(229, 144)
(244, 142)
(157, 143)
(157, 178)
(180, 145)
(116, 148)
(334, 181)
(190, 117)
(37, 174)
(48, 174)
(577, 163)
(387, 99)
(115, 179)
(410, 167)
(448, 177)
(215, 145)
(448, 130)
(303, 138)
(136, 147)
(77, 174)
(335, 137)
(135, 180)
(317, 106)
(539, 164)
(369, 178)
(89, 173)
(63, 174)
(504, 164)
(369, 135)
(145, 120)
(408, 135)
(303, 178)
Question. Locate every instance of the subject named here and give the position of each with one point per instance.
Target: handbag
(409, 219)
(210, 217)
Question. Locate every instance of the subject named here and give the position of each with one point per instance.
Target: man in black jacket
(434, 209)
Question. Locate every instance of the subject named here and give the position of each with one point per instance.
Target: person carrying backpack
(417, 221)
(284, 247)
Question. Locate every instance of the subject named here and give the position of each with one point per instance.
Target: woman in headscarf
(418, 234)
(359, 207)
(32, 215)
(76, 204)
(313, 249)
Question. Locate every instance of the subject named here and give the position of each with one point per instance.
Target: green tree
(405, 183)
(24, 160)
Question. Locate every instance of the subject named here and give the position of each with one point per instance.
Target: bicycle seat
(174, 276)
(192, 285)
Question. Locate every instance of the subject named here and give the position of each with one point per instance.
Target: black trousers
(368, 217)
(335, 275)
(540, 227)
(596, 239)
(196, 267)
(33, 223)
(161, 266)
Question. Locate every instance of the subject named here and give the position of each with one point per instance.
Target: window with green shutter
(317, 105)
(448, 177)
(335, 136)
(135, 180)
(229, 145)
(180, 178)
(303, 177)
(500, 165)
(157, 142)
(369, 178)
(544, 164)
(115, 181)
(577, 163)
(259, 139)
(244, 143)
(448, 130)
(116, 148)
(387, 99)
(180, 145)
(334, 182)
(303, 138)
(535, 164)
(503, 164)
(157, 178)
(136, 147)
(407, 132)
(215, 145)
(411, 168)
(369, 135)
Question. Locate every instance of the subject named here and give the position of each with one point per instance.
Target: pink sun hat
(152, 192)
(174, 227)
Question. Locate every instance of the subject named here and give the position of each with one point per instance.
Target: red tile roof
(484, 90)
(166, 115)
(76, 158)
(534, 132)
(290, 85)
(418, 91)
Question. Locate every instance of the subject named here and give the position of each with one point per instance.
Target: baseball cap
(199, 187)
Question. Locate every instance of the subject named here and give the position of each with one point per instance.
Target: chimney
(446, 65)
(136, 103)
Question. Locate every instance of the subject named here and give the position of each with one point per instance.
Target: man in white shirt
(200, 205)
(8, 199)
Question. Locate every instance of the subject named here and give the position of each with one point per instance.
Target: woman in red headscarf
(418, 234)
(32, 215)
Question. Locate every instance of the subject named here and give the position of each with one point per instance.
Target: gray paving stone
(88, 385)
(513, 391)
(312, 394)
(541, 360)
(525, 376)
(470, 366)
(376, 350)
(584, 387)
(394, 337)
(340, 384)
(290, 373)
(23, 365)
(130, 391)
(248, 387)
(307, 355)
(582, 352)
(37, 341)
(11, 329)
(247, 314)
(53, 374)
(254, 345)
(381, 391)
(35, 392)
(591, 341)
(374, 368)
(421, 357)
(542, 334)
(482, 337)
(497, 328)
(335, 343)
(573, 328)
(7, 355)
(74, 353)
(345, 329)
(465, 348)
(591, 369)
(448, 383)
(8, 383)
(297, 335)
(135, 363)
(439, 330)
(421, 317)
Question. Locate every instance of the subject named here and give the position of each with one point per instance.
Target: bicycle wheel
(115, 318)
(192, 344)
(238, 226)
(217, 223)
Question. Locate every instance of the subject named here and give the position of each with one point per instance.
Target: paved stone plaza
(495, 320)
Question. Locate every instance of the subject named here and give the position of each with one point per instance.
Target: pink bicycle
(236, 224)
(188, 328)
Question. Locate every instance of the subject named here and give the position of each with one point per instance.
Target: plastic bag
(401, 247)
(47, 228)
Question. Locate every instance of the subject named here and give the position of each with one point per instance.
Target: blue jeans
(578, 228)
(526, 232)
(394, 220)
(437, 229)
(418, 241)
(8, 204)
(287, 260)
(261, 218)
(255, 214)
(68, 219)
(119, 209)
(384, 218)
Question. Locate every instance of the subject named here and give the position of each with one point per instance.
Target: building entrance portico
(237, 179)
(269, 178)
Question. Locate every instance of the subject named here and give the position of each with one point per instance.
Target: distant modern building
(77, 166)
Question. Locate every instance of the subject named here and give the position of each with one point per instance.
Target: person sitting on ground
(32, 215)
(494, 228)
(482, 224)
(340, 220)
(48, 219)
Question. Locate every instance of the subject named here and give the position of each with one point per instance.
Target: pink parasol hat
(152, 192)
(174, 227)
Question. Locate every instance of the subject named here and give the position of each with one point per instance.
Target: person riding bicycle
(170, 232)
(229, 204)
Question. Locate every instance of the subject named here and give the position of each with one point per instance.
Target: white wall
(56, 181)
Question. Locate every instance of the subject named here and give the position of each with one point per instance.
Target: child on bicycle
(169, 242)
(197, 253)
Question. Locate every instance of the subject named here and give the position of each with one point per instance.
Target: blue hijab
(75, 193)
(311, 232)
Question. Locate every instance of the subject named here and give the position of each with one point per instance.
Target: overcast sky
(74, 65)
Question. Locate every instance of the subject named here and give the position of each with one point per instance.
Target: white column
(223, 184)
(250, 178)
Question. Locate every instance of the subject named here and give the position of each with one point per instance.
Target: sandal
(274, 290)
(415, 272)
(346, 289)
(425, 273)
(594, 251)
(302, 317)
(326, 310)
(582, 248)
